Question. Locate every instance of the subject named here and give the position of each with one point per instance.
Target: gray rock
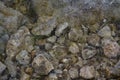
(44, 28)
(19, 41)
(88, 53)
(73, 73)
(76, 34)
(52, 39)
(61, 28)
(11, 67)
(52, 76)
(23, 57)
(41, 65)
(73, 48)
(2, 67)
(87, 72)
(105, 32)
(93, 39)
(48, 46)
(111, 48)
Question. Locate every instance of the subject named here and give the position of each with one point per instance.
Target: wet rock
(41, 65)
(23, 57)
(87, 72)
(61, 28)
(44, 28)
(111, 48)
(73, 73)
(18, 42)
(105, 32)
(73, 48)
(88, 53)
(2, 67)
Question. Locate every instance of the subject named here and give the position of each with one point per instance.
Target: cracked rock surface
(59, 40)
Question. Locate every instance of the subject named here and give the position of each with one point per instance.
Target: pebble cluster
(59, 40)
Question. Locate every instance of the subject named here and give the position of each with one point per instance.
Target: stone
(52, 39)
(61, 28)
(23, 57)
(52, 76)
(41, 65)
(11, 67)
(48, 46)
(87, 72)
(2, 67)
(88, 53)
(93, 40)
(73, 48)
(25, 76)
(19, 41)
(58, 52)
(105, 32)
(111, 48)
(117, 65)
(75, 34)
(73, 73)
(45, 28)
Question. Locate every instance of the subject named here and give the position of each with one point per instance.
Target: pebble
(73, 73)
(87, 72)
(41, 65)
(73, 48)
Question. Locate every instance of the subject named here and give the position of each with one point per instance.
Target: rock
(87, 72)
(111, 48)
(93, 39)
(48, 46)
(11, 67)
(23, 57)
(61, 28)
(25, 76)
(117, 65)
(73, 48)
(94, 28)
(88, 53)
(41, 65)
(52, 39)
(58, 51)
(75, 34)
(105, 32)
(19, 41)
(2, 67)
(44, 28)
(73, 73)
(52, 76)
